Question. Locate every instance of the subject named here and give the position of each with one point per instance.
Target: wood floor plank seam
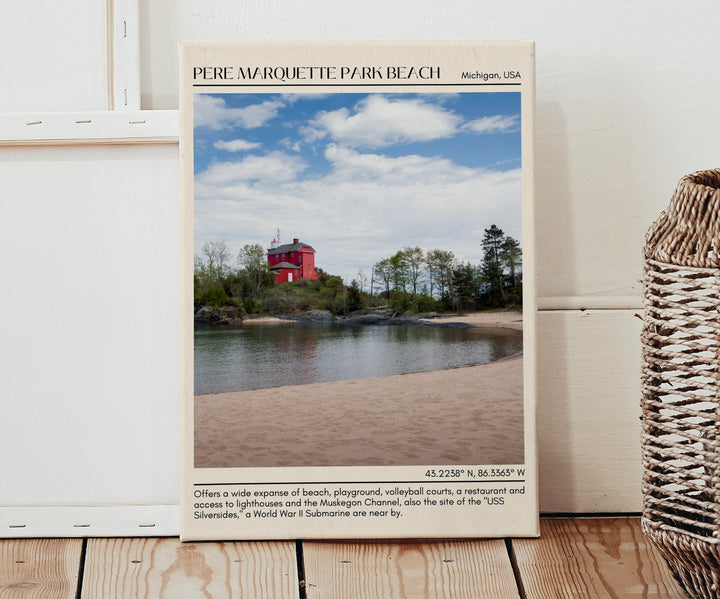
(574, 557)
(300, 555)
(515, 568)
(81, 569)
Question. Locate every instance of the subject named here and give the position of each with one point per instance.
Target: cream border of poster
(518, 515)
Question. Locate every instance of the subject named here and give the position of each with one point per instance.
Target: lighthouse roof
(290, 247)
(281, 265)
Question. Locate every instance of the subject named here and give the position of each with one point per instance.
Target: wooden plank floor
(575, 557)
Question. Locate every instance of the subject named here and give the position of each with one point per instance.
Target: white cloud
(351, 165)
(211, 111)
(378, 121)
(366, 208)
(236, 145)
(295, 96)
(494, 124)
(290, 144)
(273, 167)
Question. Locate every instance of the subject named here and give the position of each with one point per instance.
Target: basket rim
(687, 232)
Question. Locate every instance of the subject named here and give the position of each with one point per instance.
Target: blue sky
(357, 176)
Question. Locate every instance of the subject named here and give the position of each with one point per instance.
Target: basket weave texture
(681, 384)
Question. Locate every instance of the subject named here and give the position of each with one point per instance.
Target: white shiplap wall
(89, 234)
(54, 56)
(626, 104)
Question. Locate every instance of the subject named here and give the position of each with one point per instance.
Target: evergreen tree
(512, 259)
(492, 270)
(354, 297)
(465, 280)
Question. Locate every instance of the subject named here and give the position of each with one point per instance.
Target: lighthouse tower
(275, 242)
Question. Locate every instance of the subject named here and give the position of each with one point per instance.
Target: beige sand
(503, 320)
(506, 320)
(264, 320)
(471, 415)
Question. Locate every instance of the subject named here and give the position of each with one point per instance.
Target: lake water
(261, 356)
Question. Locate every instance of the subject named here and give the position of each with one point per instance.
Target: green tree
(440, 265)
(465, 280)
(354, 297)
(209, 271)
(400, 271)
(492, 270)
(415, 258)
(217, 256)
(512, 258)
(252, 263)
(431, 263)
(201, 275)
(382, 271)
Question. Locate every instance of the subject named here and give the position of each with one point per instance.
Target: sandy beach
(470, 415)
(263, 320)
(504, 320)
(501, 320)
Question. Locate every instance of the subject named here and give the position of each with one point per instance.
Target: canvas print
(358, 290)
(358, 279)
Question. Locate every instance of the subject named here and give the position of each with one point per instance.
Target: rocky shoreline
(377, 318)
(229, 315)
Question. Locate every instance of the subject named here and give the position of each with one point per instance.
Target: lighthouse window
(283, 256)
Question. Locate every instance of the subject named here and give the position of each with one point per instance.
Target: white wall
(54, 56)
(626, 104)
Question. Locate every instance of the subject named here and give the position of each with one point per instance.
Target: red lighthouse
(291, 261)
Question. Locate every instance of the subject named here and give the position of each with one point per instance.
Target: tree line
(412, 279)
(409, 281)
(221, 280)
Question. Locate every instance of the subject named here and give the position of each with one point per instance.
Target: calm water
(261, 356)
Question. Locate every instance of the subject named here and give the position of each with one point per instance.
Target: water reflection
(262, 356)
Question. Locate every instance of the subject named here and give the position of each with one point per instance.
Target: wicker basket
(681, 384)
